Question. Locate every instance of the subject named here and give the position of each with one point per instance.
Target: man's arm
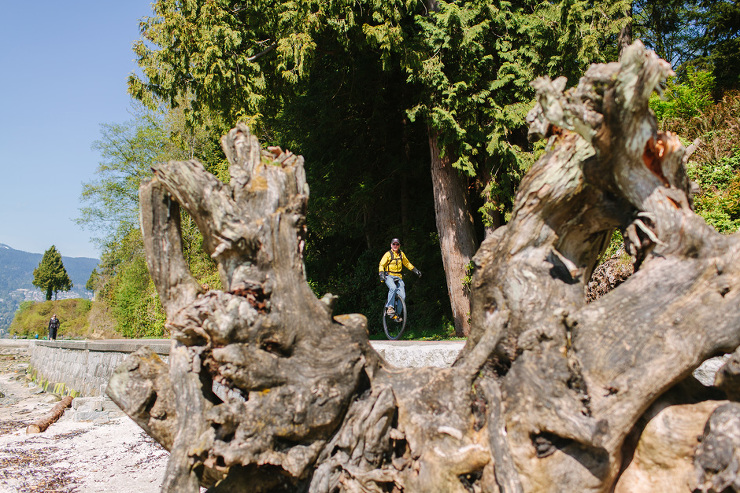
(383, 265)
(406, 262)
(409, 265)
(384, 262)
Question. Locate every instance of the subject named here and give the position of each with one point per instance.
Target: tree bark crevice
(456, 231)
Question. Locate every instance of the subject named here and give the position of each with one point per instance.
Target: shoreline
(72, 455)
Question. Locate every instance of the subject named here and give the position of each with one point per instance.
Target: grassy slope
(80, 318)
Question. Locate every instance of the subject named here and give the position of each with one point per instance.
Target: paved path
(398, 353)
(14, 343)
(414, 354)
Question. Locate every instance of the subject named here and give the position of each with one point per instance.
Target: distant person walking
(53, 327)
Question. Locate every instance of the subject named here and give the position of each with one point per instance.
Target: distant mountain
(16, 278)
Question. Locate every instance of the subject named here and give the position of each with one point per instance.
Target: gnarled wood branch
(268, 389)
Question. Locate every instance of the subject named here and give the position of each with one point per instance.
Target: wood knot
(656, 150)
(555, 130)
(255, 296)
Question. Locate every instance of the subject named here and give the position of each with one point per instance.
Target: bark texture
(608, 275)
(267, 391)
(456, 231)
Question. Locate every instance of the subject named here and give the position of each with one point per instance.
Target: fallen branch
(56, 412)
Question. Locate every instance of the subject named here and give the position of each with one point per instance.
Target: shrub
(135, 304)
(683, 101)
(715, 166)
(32, 319)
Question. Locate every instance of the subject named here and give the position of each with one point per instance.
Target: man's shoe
(390, 311)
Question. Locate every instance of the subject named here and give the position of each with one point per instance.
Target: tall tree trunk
(455, 229)
(405, 226)
(267, 391)
(625, 34)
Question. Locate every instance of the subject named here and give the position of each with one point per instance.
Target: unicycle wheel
(392, 326)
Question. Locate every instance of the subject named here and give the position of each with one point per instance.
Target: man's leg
(390, 282)
(401, 294)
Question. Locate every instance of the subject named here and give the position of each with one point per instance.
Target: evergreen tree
(406, 77)
(93, 281)
(50, 275)
(667, 27)
(719, 44)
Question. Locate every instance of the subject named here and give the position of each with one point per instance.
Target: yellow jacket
(393, 264)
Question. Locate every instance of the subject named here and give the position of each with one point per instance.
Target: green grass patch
(32, 318)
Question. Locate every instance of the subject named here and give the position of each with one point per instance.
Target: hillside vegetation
(379, 98)
(16, 280)
(80, 319)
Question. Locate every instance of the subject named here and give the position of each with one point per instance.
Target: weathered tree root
(266, 390)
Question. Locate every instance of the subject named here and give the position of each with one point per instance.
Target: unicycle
(393, 325)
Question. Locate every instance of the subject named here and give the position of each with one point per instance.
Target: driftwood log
(267, 391)
(41, 424)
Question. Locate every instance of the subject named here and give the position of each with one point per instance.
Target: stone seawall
(82, 368)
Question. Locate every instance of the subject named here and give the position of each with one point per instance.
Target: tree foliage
(51, 276)
(715, 166)
(358, 88)
(463, 68)
(129, 150)
(93, 280)
(719, 42)
(684, 100)
(704, 34)
(668, 27)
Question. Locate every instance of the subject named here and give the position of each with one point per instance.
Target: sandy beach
(109, 453)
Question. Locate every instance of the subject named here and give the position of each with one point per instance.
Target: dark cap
(395, 240)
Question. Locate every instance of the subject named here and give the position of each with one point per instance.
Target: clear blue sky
(63, 71)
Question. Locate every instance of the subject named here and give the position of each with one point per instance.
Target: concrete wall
(84, 367)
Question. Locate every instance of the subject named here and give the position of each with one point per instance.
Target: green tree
(669, 27)
(51, 276)
(683, 101)
(715, 165)
(128, 150)
(718, 46)
(93, 281)
(455, 73)
(111, 210)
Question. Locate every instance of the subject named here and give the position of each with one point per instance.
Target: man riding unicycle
(390, 269)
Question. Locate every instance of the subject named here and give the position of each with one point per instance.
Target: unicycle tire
(394, 329)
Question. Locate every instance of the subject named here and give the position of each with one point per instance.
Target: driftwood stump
(267, 391)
